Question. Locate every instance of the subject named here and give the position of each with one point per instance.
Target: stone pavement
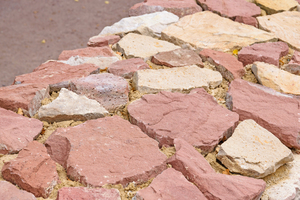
(181, 100)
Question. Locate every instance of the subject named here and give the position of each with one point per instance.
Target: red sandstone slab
(179, 8)
(104, 51)
(10, 192)
(247, 20)
(195, 117)
(33, 170)
(109, 150)
(296, 57)
(100, 41)
(276, 112)
(269, 52)
(170, 185)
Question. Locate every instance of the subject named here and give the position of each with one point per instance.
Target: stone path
(181, 100)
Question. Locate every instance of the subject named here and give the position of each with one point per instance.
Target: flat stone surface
(247, 20)
(100, 41)
(226, 64)
(17, 131)
(10, 192)
(213, 185)
(179, 8)
(170, 184)
(70, 106)
(253, 151)
(277, 79)
(293, 68)
(175, 79)
(87, 52)
(284, 25)
(67, 193)
(276, 112)
(206, 30)
(296, 57)
(177, 58)
(33, 170)
(166, 116)
(140, 46)
(109, 90)
(126, 68)
(116, 152)
(274, 6)
(269, 52)
(147, 24)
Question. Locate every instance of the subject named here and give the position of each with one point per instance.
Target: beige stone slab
(275, 6)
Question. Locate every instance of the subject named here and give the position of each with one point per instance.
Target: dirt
(52, 97)
(168, 151)
(249, 76)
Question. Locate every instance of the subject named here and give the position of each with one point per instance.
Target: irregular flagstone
(284, 25)
(36, 102)
(253, 151)
(247, 20)
(33, 170)
(166, 116)
(109, 90)
(269, 52)
(170, 184)
(140, 46)
(148, 24)
(10, 192)
(17, 131)
(195, 168)
(67, 193)
(179, 8)
(276, 112)
(175, 79)
(70, 106)
(100, 41)
(226, 64)
(277, 79)
(275, 6)
(104, 51)
(292, 67)
(126, 68)
(296, 57)
(106, 151)
(177, 58)
(206, 30)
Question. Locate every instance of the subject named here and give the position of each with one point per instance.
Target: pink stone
(296, 57)
(269, 52)
(10, 192)
(17, 131)
(226, 64)
(213, 185)
(166, 116)
(108, 150)
(109, 90)
(33, 170)
(83, 193)
(170, 185)
(177, 7)
(104, 51)
(100, 41)
(276, 112)
(177, 58)
(247, 20)
(126, 68)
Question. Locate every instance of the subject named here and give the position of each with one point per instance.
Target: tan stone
(274, 6)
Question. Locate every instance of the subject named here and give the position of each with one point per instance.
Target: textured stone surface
(170, 184)
(33, 170)
(100, 41)
(109, 90)
(177, 58)
(206, 30)
(247, 20)
(296, 57)
(277, 79)
(226, 64)
(126, 68)
(69, 193)
(274, 6)
(293, 68)
(148, 24)
(87, 52)
(269, 52)
(284, 25)
(253, 151)
(36, 102)
(276, 112)
(166, 116)
(214, 186)
(10, 192)
(175, 79)
(140, 46)
(70, 106)
(16, 131)
(116, 152)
